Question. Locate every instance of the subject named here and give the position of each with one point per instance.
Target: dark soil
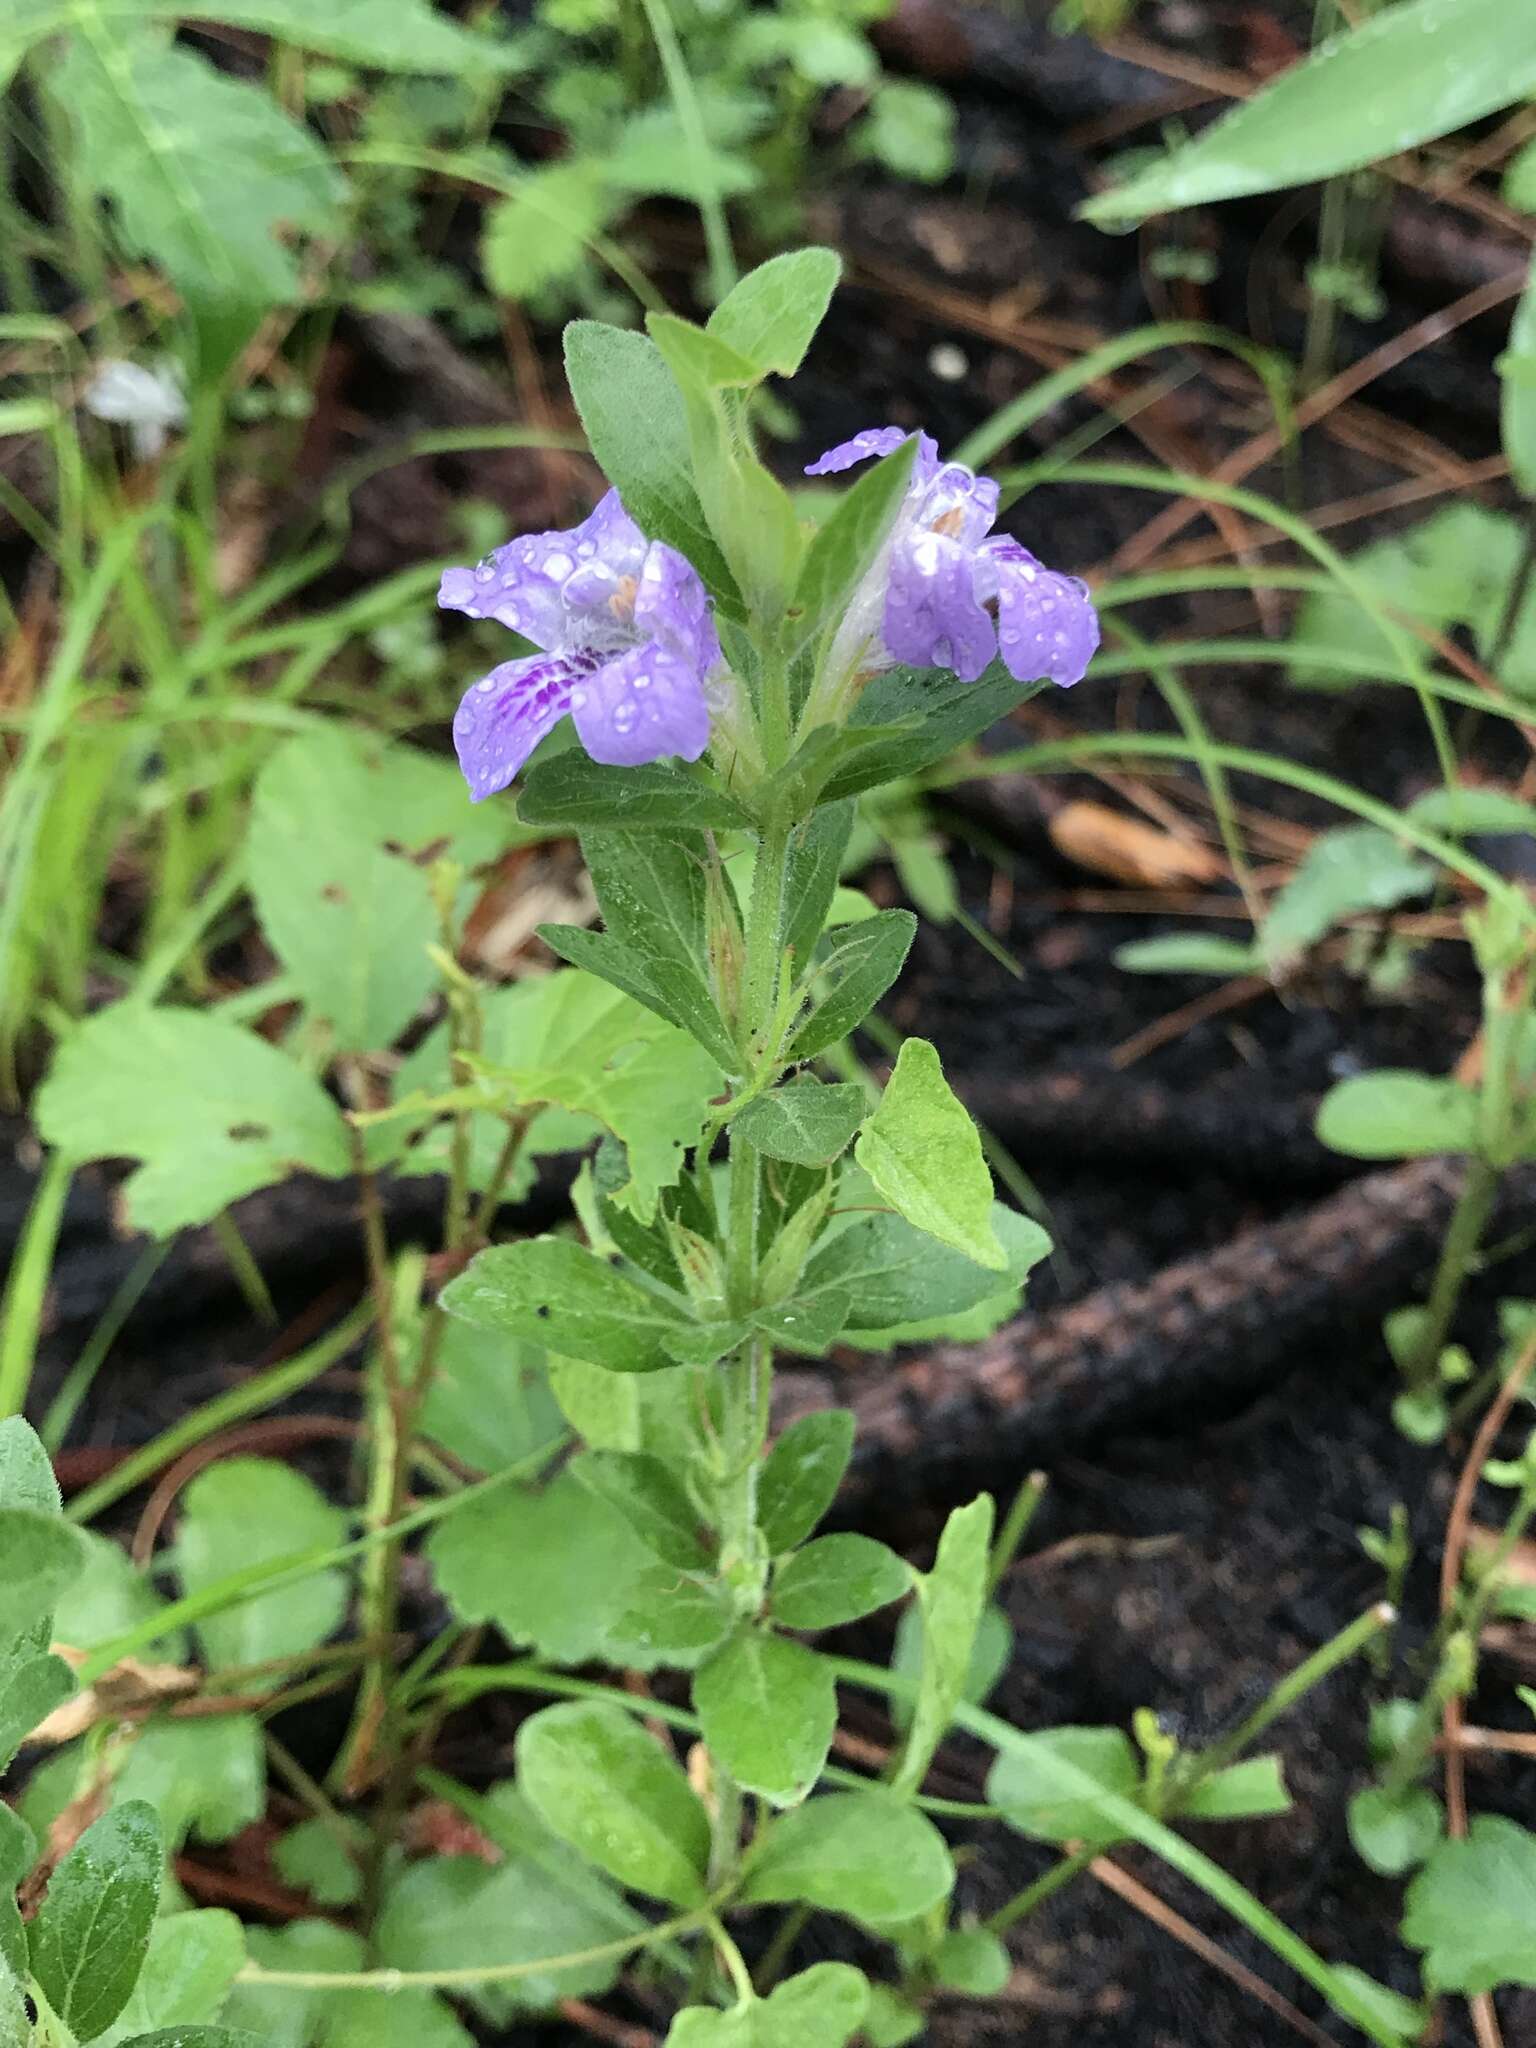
(1184, 1568)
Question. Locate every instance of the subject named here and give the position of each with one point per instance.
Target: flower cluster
(926, 601)
(629, 646)
(630, 649)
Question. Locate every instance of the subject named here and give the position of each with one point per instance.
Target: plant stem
(1458, 1260)
(1023, 1903)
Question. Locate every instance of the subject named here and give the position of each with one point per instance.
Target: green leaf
(848, 541)
(911, 130)
(1189, 953)
(624, 1411)
(1417, 70)
(801, 1475)
(638, 431)
(187, 1974)
(203, 1775)
(42, 1555)
(656, 797)
(601, 1783)
(577, 1567)
(864, 1854)
(91, 1933)
(991, 1654)
(240, 1115)
(895, 1275)
(701, 354)
(316, 1858)
(1251, 1789)
(490, 1401)
(541, 233)
(340, 834)
(650, 1499)
(671, 1619)
(808, 1123)
(1397, 1114)
(549, 1287)
(206, 2037)
(857, 967)
(245, 1511)
(951, 1599)
(934, 715)
(1472, 1908)
(1517, 374)
(30, 1688)
(1028, 1792)
(974, 1961)
(771, 316)
(203, 170)
(768, 1707)
(821, 2008)
(1357, 867)
(26, 1470)
(816, 853)
(837, 1579)
(108, 1597)
(1463, 811)
(283, 2016)
(923, 1153)
(1392, 1830)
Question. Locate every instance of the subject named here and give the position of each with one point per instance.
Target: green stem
(1458, 1260)
(21, 1311)
(1023, 1903)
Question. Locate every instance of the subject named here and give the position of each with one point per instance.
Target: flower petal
(642, 706)
(1047, 626)
(874, 441)
(503, 717)
(535, 582)
(959, 503)
(672, 606)
(932, 617)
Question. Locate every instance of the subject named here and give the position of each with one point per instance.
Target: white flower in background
(148, 402)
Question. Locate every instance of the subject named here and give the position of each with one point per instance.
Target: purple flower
(927, 600)
(628, 647)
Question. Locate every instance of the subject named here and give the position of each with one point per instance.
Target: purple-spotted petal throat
(628, 642)
(928, 599)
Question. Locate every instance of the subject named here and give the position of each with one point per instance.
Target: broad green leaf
(92, 1931)
(42, 1555)
(837, 1579)
(551, 1289)
(657, 797)
(623, 1411)
(1403, 76)
(542, 1900)
(108, 1597)
(1472, 810)
(26, 1470)
(672, 1619)
(821, 2008)
(541, 233)
(934, 714)
(490, 1401)
(816, 852)
(910, 128)
(319, 1858)
(202, 169)
(244, 1511)
(1472, 1908)
(1393, 1830)
(1254, 1787)
(701, 353)
(205, 1775)
(31, 1686)
(807, 1123)
(923, 1153)
(1357, 867)
(654, 156)
(638, 430)
(651, 1500)
(991, 1654)
(1189, 953)
(768, 1707)
(211, 2037)
(972, 1960)
(772, 315)
(857, 967)
(600, 1782)
(895, 1275)
(212, 1111)
(1517, 374)
(340, 834)
(801, 1475)
(860, 1853)
(1397, 1114)
(600, 955)
(1028, 1792)
(951, 1598)
(18, 1851)
(380, 35)
(281, 2016)
(187, 1974)
(577, 1562)
(846, 544)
